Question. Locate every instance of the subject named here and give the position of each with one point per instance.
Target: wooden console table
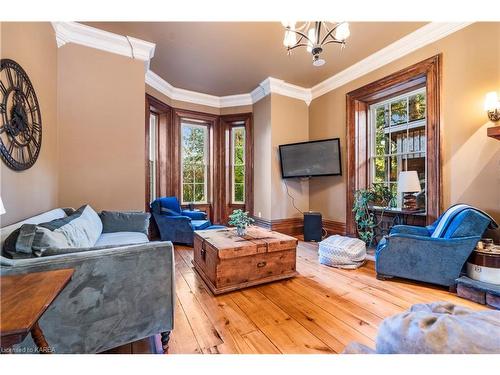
(24, 299)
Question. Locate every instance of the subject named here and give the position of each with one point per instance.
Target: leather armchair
(436, 253)
(175, 224)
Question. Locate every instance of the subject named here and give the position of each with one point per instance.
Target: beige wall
(470, 160)
(101, 129)
(262, 155)
(290, 124)
(35, 190)
(277, 120)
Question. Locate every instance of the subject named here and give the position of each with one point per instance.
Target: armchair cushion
(114, 221)
(200, 224)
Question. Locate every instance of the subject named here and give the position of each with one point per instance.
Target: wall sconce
(492, 106)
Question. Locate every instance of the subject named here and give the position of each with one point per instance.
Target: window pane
(239, 156)
(199, 173)
(393, 168)
(187, 173)
(187, 193)
(153, 126)
(238, 164)
(381, 114)
(239, 137)
(398, 112)
(199, 192)
(381, 132)
(417, 107)
(239, 192)
(239, 174)
(379, 175)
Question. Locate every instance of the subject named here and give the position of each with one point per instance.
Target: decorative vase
(241, 231)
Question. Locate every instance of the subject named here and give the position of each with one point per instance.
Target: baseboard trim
(295, 225)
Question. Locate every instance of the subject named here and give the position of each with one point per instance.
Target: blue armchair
(436, 253)
(175, 224)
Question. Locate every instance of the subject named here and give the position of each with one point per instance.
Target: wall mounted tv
(309, 159)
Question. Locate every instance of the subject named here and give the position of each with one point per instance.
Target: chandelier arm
(333, 41)
(329, 34)
(297, 45)
(302, 35)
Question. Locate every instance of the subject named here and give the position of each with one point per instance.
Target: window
(194, 162)
(238, 164)
(398, 140)
(153, 132)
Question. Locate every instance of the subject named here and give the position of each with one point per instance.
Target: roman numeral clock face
(21, 121)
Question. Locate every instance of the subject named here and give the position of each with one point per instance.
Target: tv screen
(308, 159)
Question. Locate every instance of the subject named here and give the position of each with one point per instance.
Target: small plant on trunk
(241, 221)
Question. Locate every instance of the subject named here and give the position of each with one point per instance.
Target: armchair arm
(409, 229)
(195, 215)
(174, 228)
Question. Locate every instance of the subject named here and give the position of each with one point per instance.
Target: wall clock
(21, 120)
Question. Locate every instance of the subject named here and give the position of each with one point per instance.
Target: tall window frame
(154, 120)
(401, 140)
(238, 163)
(193, 177)
(427, 73)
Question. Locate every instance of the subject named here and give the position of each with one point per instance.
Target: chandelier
(314, 36)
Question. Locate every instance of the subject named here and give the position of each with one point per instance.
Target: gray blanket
(437, 328)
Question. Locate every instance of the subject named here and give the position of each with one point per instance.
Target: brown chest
(228, 262)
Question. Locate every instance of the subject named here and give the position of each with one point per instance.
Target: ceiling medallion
(314, 36)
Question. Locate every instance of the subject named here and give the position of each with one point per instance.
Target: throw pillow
(114, 221)
(81, 229)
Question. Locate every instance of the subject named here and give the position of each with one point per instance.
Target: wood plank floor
(319, 311)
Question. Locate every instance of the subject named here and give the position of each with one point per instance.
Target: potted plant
(241, 221)
(364, 200)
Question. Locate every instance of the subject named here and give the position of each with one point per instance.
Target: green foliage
(240, 219)
(365, 220)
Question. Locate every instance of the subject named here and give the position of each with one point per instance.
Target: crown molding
(421, 37)
(158, 83)
(74, 32)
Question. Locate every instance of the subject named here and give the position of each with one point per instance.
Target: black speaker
(313, 226)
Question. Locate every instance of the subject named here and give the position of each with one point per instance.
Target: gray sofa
(121, 291)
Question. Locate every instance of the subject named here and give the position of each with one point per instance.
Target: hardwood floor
(319, 311)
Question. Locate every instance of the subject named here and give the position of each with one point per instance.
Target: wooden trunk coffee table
(227, 262)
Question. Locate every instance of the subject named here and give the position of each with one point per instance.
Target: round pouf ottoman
(342, 252)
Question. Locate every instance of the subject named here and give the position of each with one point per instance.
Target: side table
(24, 299)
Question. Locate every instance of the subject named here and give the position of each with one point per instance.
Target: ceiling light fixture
(314, 36)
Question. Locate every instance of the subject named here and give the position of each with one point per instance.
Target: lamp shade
(408, 182)
(2, 208)
(491, 101)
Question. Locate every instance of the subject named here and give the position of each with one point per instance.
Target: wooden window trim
(426, 72)
(211, 122)
(163, 112)
(225, 176)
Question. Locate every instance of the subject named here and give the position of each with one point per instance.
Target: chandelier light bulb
(310, 36)
(342, 31)
(290, 39)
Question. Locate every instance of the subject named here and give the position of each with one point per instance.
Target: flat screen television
(309, 159)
